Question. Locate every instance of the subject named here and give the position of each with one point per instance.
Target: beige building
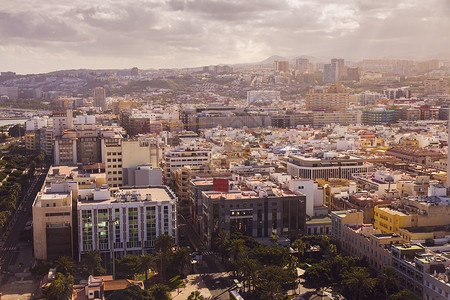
(62, 121)
(120, 155)
(53, 222)
(332, 98)
(364, 241)
(53, 227)
(184, 156)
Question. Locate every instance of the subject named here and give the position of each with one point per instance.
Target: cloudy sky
(47, 35)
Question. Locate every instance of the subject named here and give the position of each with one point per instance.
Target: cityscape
(245, 165)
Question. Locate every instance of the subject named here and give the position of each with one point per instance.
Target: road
(9, 237)
(212, 272)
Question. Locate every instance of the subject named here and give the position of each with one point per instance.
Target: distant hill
(271, 59)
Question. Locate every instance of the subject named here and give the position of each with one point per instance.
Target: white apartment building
(62, 121)
(36, 123)
(326, 165)
(184, 156)
(127, 222)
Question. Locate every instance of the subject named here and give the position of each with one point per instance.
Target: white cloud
(178, 33)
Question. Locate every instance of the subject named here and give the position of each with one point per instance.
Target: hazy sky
(47, 35)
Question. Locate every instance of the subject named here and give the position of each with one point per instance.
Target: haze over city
(43, 36)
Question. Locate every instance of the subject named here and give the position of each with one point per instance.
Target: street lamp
(111, 222)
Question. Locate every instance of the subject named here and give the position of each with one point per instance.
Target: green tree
(402, 295)
(386, 284)
(16, 130)
(129, 266)
(271, 255)
(93, 262)
(61, 288)
(160, 291)
(300, 246)
(65, 265)
(164, 243)
(249, 268)
(147, 262)
(236, 249)
(183, 259)
(195, 295)
(131, 293)
(357, 284)
(222, 243)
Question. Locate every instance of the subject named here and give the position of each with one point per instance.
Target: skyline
(41, 37)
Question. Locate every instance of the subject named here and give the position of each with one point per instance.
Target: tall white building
(62, 121)
(128, 222)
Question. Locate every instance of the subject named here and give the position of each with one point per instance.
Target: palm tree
(195, 295)
(300, 246)
(183, 258)
(160, 291)
(92, 261)
(237, 248)
(60, 289)
(358, 284)
(147, 262)
(222, 240)
(164, 243)
(65, 265)
(249, 269)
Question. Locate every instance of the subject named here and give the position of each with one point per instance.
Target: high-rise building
(340, 63)
(301, 64)
(281, 66)
(99, 95)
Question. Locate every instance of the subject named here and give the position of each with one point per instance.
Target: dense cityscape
(286, 179)
(225, 150)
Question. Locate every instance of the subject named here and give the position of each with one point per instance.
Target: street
(9, 237)
(211, 272)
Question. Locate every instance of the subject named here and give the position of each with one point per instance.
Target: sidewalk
(193, 283)
(21, 285)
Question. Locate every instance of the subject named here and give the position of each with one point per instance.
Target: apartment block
(184, 156)
(121, 155)
(126, 222)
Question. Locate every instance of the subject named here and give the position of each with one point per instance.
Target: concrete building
(326, 165)
(53, 221)
(184, 156)
(253, 210)
(122, 158)
(363, 240)
(378, 116)
(128, 222)
(332, 98)
(344, 217)
(281, 66)
(99, 96)
(62, 121)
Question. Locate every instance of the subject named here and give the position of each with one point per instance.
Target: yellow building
(391, 220)
(30, 141)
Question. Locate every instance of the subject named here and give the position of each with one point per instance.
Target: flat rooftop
(135, 194)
